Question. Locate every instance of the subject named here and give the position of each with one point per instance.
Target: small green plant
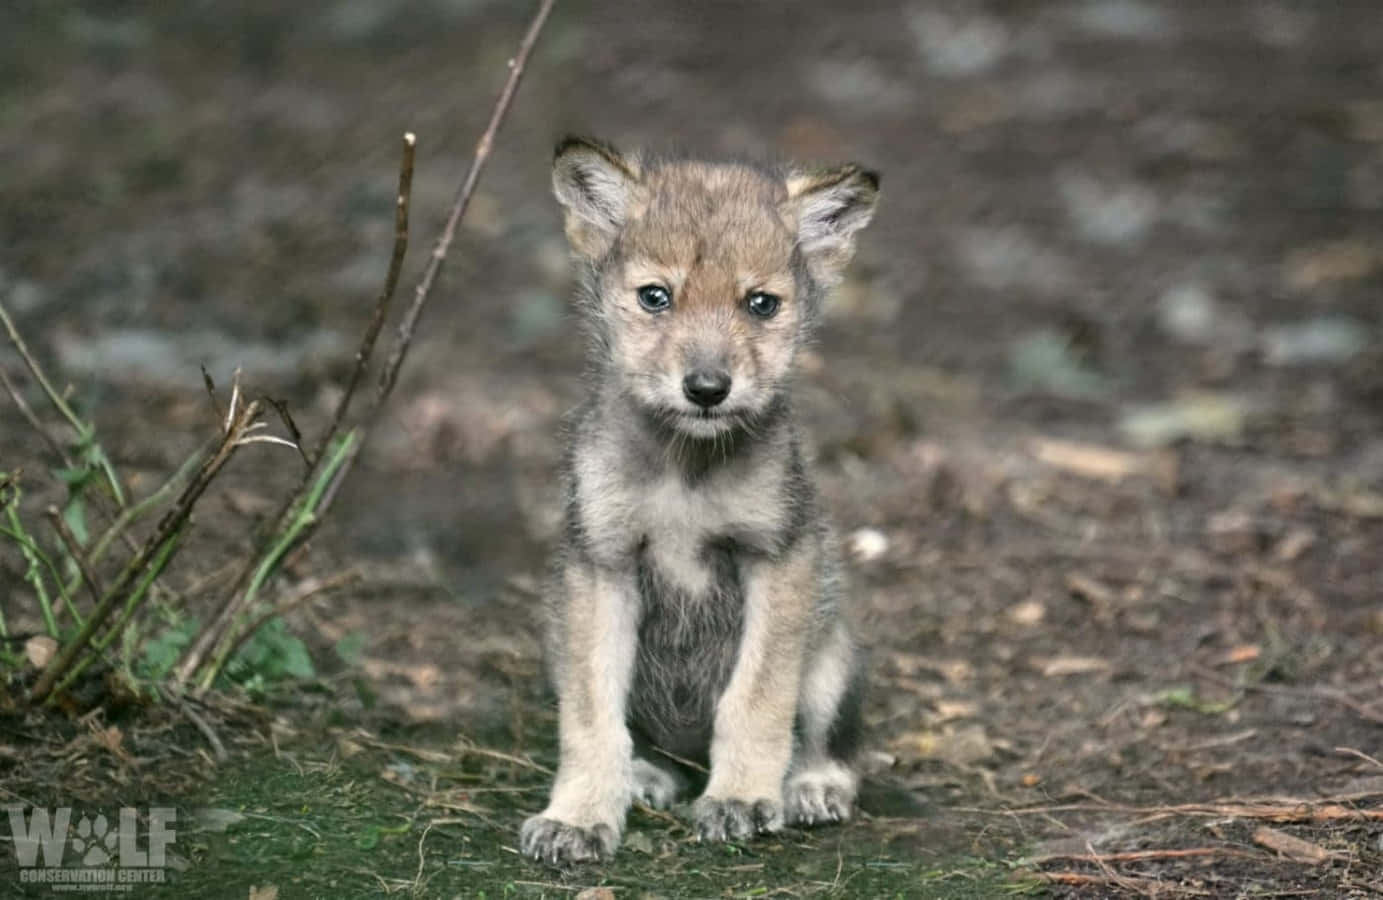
(245, 639)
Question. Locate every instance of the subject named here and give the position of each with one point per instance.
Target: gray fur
(697, 533)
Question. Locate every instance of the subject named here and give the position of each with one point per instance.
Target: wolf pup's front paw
(820, 795)
(723, 819)
(559, 844)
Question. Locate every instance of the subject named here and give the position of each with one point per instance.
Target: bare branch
(386, 294)
(286, 417)
(58, 400)
(211, 392)
(171, 523)
(74, 550)
(32, 418)
(217, 633)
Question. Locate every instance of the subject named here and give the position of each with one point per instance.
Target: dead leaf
(268, 892)
(955, 709)
(1088, 588)
(1294, 544)
(111, 739)
(1093, 461)
(1346, 260)
(40, 649)
(1031, 780)
(1242, 654)
(1074, 665)
(1290, 846)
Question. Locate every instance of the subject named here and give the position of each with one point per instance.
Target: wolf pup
(697, 606)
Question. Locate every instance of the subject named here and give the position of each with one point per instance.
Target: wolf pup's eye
(654, 297)
(763, 305)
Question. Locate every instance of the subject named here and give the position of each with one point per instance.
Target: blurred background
(1120, 308)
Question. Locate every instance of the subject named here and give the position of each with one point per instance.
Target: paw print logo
(95, 841)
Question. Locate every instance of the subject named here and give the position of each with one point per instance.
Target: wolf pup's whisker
(697, 603)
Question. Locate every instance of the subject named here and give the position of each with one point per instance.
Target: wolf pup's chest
(684, 533)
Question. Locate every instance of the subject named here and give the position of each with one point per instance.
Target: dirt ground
(1100, 409)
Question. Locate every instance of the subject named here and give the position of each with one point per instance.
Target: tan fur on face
(711, 235)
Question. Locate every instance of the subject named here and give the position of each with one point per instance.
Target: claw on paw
(559, 844)
(720, 819)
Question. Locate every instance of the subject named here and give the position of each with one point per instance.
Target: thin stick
(236, 601)
(74, 550)
(1359, 753)
(1324, 810)
(1140, 855)
(316, 588)
(386, 295)
(34, 369)
(34, 422)
(389, 375)
(60, 403)
(1146, 887)
(217, 748)
(168, 526)
(1314, 692)
(135, 510)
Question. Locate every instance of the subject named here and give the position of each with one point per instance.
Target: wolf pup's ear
(829, 206)
(598, 188)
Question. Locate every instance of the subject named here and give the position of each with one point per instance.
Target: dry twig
(74, 550)
(1139, 855)
(218, 632)
(1146, 887)
(35, 423)
(169, 526)
(1311, 692)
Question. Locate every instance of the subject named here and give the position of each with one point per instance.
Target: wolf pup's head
(703, 279)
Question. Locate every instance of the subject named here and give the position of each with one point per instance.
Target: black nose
(706, 387)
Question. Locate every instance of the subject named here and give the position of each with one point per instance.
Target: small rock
(858, 83)
(868, 544)
(1196, 416)
(875, 761)
(1109, 213)
(958, 45)
(1029, 612)
(1327, 341)
(1008, 257)
(1049, 361)
(596, 893)
(40, 649)
(1232, 532)
(1187, 312)
(1123, 19)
